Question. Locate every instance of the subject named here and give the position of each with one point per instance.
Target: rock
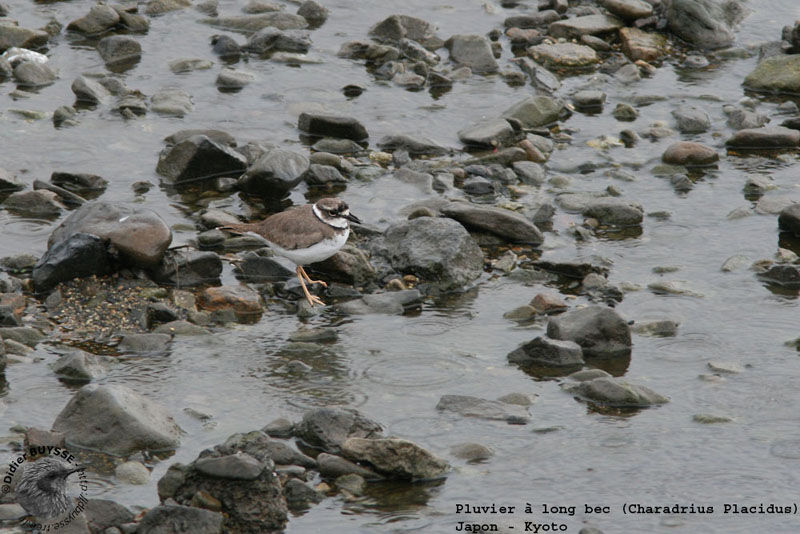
(468, 406)
(726, 367)
(534, 20)
(299, 495)
(314, 13)
(116, 420)
(782, 275)
(625, 112)
(535, 111)
(159, 7)
(589, 99)
(269, 40)
(541, 78)
(328, 428)
(133, 473)
(413, 144)
(332, 466)
(689, 153)
(471, 452)
(775, 74)
(436, 250)
(564, 55)
(332, 126)
(188, 268)
(770, 137)
(629, 10)
(239, 466)
(742, 119)
(79, 366)
(390, 303)
(350, 266)
(9, 182)
(173, 519)
(616, 393)
(233, 79)
(245, 302)
(600, 331)
(397, 27)
(100, 19)
(180, 328)
(144, 343)
(543, 351)
(139, 236)
(83, 183)
(642, 45)
(172, 102)
(548, 304)
(259, 269)
(180, 66)
(504, 223)
(132, 104)
(573, 28)
(490, 133)
(102, 514)
(661, 328)
(472, 51)
(12, 36)
(199, 158)
(119, 50)
(614, 211)
(226, 48)
(253, 23)
(789, 219)
(218, 136)
(32, 74)
(132, 22)
(691, 119)
(37, 204)
(396, 458)
(274, 174)
(704, 23)
(77, 255)
(89, 91)
(26, 335)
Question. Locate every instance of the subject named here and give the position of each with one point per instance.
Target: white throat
(336, 222)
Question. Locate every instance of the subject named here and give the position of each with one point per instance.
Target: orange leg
(309, 280)
(312, 299)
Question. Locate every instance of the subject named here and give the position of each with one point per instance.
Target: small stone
(688, 153)
(132, 473)
(625, 112)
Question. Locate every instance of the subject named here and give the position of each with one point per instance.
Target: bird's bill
(352, 218)
(75, 470)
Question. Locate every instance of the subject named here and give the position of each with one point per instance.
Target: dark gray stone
(328, 428)
(472, 51)
(770, 137)
(119, 50)
(274, 174)
(188, 268)
(314, 13)
(490, 133)
(300, 495)
(616, 392)
(89, 90)
(691, 119)
(323, 175)
(478, 185)
(226, 47)
(99, 19)
(102, 514)
(705, 23)
(548, 352)
(413, 144)
(199, 158)
(535, 111)
(116, 420)
(144, 343)
(240, 466)
(269, 40)
(396, 458)
(79, 182)
(32, 74)
(75, 256)
(259, 269)
(333, 466)
(252, 23)
(600, 331)
(332, 126)
(498, 221)
(614, 211)
(174, 519)
(484, 409)
(391, 303)
(12, 35)
(79, 366)
(396, 27)
(789, 219)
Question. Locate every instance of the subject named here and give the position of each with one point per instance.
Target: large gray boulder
(116, 420)
(328, 428)
(198, 158)
(396, 458)
(600, 331)
(76, 256)
(705, 23)
(274, 174)
(436, 250)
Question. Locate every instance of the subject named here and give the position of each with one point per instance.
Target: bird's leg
(309, 280)
(312, 299)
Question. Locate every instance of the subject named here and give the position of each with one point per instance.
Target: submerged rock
(79, 366)
(484, 409)
(615, 392)
(543, 351)
(175, 518)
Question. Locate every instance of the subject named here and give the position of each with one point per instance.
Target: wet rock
(589, 99)
(416, 52)
(501, 222)
(332, 126)
(233, 79)
(534, 20)
(199, 158)
(9, 182)
(333, 466)
(159, 7)
(616, 393)
(600, 331)
(180, 66)
(32, 74)
(641, 45)
(397, 27)
(471, 452)
(226, 47)
(564, 55)
(543, 351)
(350, 266)
(625, 112)
(629, 10)
(789, 219)
(776, 74)
(770, 137)
(535, 111)
(244, 301)
(218, 136)
(742, 119)
(328, 428)
(79, 366)
(704, 23)
(188, 268)
(100, 19)
(688, 153)
(490, 133)
(119, 49)
(484, 409)
(413, 144)
(314, 13)
(180, 328)
(102, 514)
(322, 175)
(396, 458)
(691, 119)
(573, 28)
(614, 211)
(269, 40)
(26, 335)
(144, 344)
(472, 51)
(299, 495)
(660, 328)
(726, 367)
(390, 303)
(259, 269)
(89, 91)
(116, 420)
(132, 104)
(783, 275)
(521, 37)
(240, 466)
(40, 203)
(172, 102)
(253, 23)
(12, 35)
(77, 255)
(133, 473)
(541, 78)
(170, 518)
(436, 250)
(132, 22)
(274, 174)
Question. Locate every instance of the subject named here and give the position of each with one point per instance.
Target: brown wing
(295, 228)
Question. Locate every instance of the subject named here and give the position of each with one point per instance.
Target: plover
(304, 235)
(42, 489)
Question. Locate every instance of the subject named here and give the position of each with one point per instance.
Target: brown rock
(13, 300)
(689, 153)
(36, 437)
(532, 153)
(240, 299)
(548, 304)
(638, 44)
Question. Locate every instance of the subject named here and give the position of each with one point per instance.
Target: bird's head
(335, 211)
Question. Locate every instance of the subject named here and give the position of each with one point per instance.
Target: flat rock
(180, 66)
(396, 458)
(789, 219)
(501, 222)
(600, 331)
(269, 40)
(149, 343)
(12, 36)
(332, 126)
(173, 102)
(689, 153)
(776, 74)
(40, 203)
(547, 352)
(638, 44)
(614, 211)
(535, 111)
(253, 23)
(490, 133)
(396, 27)
(615, 392)
(414, 144)
(240, 466)
(564, 55)
(199, 158)
(769, 137)
(333, 466)
(116, 420)
(629, 10)
(484, 409)
(472, 51)
(572, 28)
(328, 428)
(390, 303)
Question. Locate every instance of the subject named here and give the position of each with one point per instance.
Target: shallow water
(395, 369)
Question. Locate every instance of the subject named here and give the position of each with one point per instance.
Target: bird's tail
(237, 229)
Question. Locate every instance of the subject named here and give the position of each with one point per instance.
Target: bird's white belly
(317, 252)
